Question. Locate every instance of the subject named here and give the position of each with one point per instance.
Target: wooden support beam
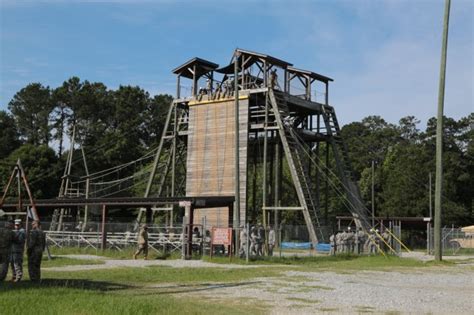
(103, 229)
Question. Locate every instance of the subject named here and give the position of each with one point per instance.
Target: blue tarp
(323, 247)
(292, 245)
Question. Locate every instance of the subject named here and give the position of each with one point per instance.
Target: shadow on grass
(106, 286)
(83, 284)
(284, 260)
(194, 287)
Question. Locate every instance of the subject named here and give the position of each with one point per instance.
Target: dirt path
(300, 293)
(434, 290)
(117, 263)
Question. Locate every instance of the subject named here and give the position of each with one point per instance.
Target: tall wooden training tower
(261, 111)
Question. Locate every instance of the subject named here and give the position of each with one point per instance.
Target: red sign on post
(222, 236)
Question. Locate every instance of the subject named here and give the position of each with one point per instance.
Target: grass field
(337, 263)
(126, 253)
(127, 291)
(167, 290)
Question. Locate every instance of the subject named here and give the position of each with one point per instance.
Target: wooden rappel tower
(277, 123)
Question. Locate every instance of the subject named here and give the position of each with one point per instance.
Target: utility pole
(429, 198)
(439, 137)
(373, 194)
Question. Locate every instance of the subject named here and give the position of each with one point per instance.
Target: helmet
(17, 221)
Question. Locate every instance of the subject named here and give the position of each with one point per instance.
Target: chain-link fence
(453, 241)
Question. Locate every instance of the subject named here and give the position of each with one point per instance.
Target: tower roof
(202, 66)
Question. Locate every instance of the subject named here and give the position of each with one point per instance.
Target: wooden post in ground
(439, 137)
(103, 230)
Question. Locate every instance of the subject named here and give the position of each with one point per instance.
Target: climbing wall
(211, 149)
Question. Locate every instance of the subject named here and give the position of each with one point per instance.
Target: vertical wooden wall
(211, 151)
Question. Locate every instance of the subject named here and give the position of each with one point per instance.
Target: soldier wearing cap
(36, 245)
(142, 242)
(349, 241)
(17, 251)
(6, 240)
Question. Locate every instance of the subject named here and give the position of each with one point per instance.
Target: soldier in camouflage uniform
(17, 251)
(6, 241)
(349, 241)
(36, 245)
(142, 242)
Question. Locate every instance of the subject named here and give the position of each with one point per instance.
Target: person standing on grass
(142, 242)
(243, 242)
(36, 246)
(332, 242)
(18, 248)
(271, 240)
(349, 241)
(260, 239)
(253, 241)
(386, 243)
(6, 240)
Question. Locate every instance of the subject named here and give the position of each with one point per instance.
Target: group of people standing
(358, 242)
(12, 245)
(255, 242)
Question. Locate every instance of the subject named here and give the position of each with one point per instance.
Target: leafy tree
(9, 137)
(40, 165)
(408, 128)
(31, 108)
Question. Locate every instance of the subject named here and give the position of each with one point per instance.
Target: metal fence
(453, 240)
(288, 239)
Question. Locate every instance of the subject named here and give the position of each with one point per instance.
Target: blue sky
(383, 55)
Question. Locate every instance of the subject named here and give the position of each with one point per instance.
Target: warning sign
(222, 236)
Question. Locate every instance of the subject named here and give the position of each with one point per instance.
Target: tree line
(118, 126)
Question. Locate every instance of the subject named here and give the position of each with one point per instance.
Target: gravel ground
(433, 290)
(116, 263)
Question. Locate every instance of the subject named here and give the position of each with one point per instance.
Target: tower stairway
(169, 152)
(344, 168)
(294, 152)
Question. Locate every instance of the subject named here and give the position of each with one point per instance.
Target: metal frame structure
(291, 127)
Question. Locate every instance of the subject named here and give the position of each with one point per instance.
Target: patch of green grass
(365, 309)
(66, 261)
(296, 299)
(319, 287)
(162, 274)
(340, 263)
(64, 298)
(126, 253)
(149, 290)
(328, 309)
(461, 251)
